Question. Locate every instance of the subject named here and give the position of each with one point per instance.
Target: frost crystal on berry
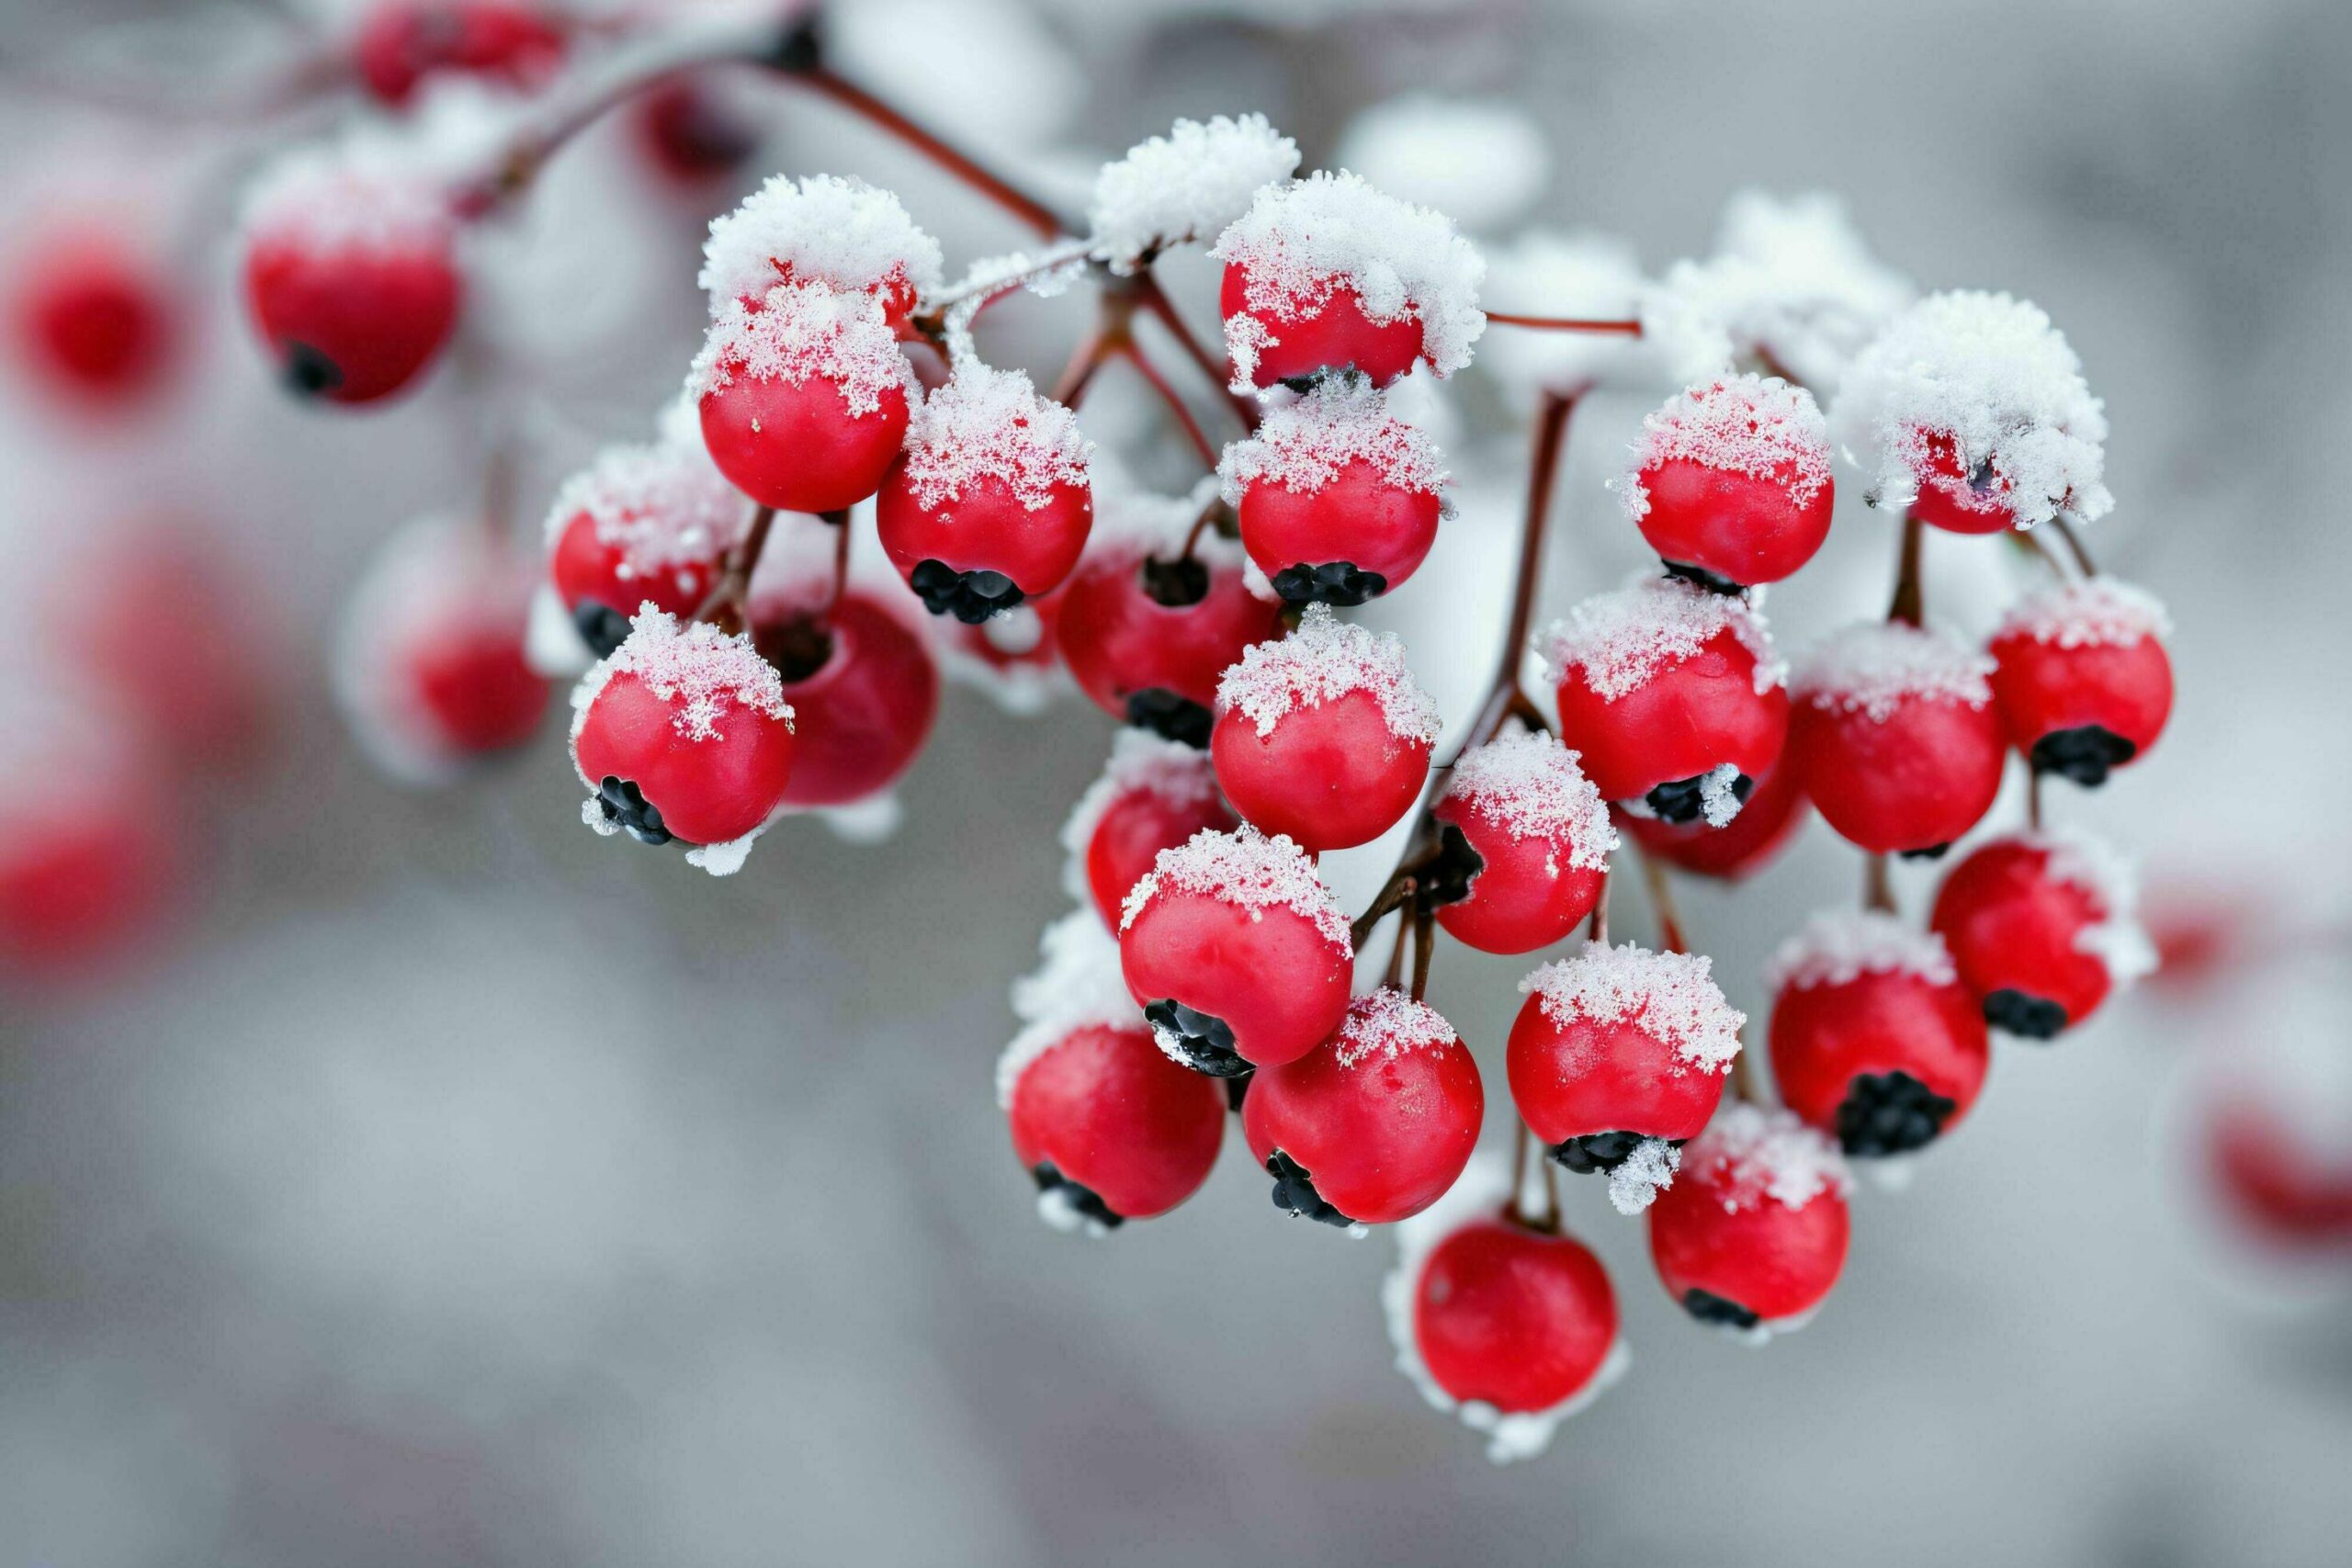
(991, 423)
(2097, 611)
(1873, 667)
(704, 671)
(1637, 1180)
(1619, 639)
(331, 201)
(1669, 995)
(1186, 185)
(1322, 662)
(659, 506)
(1140, 760)
(1247, 870)
(1078, 985)
(1303, 445)
(1755, 425)
(800, 329)
(1529, 786)
(1836, 947)
(822, 229)
(1385, 1024)
(2117, 939)
(1752, 1155)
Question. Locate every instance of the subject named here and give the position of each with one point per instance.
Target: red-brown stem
(1397, 890)
(1909, 605)
(1019, 203)
(1424, 948)
(1878, 887)
(1407, 926)
(1669, 923)
(1152, 298)
(1200, 527)
(729, 600)
(839, 522)
(1565, 323)
(1597, 929)
(1158, 383)
(2074, 545)
(2032, 799)
(1084, 362)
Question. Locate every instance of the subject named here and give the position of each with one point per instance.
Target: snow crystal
(1669, 995)
(660, 506)
(1301, 242)
(1755, 425)
(1836, 947)
(1873, 667)
(721, 860)
(704, 671)
(1303, 445)
(1186, 185)
(1325, 659)
(1995, 377)
(1389, 1023)
(1078, 984)
(1641, 1176)
(1623, 638)
(2117, 939)
(1140, 762)
(1753, 1154)
(1485, 159)
(326, 199)
(800, 329)
(1719, 800)
(844, 233)
(2097, 611)
(1247, 870)
(1057, 1206)
(1530, 784)
(991, 423)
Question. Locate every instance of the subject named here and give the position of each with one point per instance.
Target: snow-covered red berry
(1109, 1128)
(842, 234)
(89, 860)
(1730, 481)
(991, 503)
(1154, 794)
(97, 319)
(1339, 499)
(1372, 1125)
(640, 525)
(1752, 1234)
(684, 733)
(2043, 928)
(1618, 1056)
(1672, 695)
(1873, 1039)
(401, 43)
(863, 688)
(1238, 952)
(1323, 734)
(1327, 273)
(803, 396)
(1524, 844)
(1184, 186)
(1896, 738)
(1147, 635)
(2082, 678)
(1765, 823)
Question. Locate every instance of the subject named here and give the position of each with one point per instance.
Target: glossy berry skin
(585, 570)
(1738, 850)
(1525, 892)
(402, 42)
(1111, 1114)
(1382, 529)
(1743, 1249)
(1909, 783)
(1330, 775)
(1337, 335)
(1512, 1317)
(2013, 928)
(800, 448)
(1593, 1077)
(860, 715)
(1689, 718)
(1836, 1047)
(1278, 984)
(1959, 502)
(351, 327)
(95, 322)
(1124, 641)
(986, 529)
(709, 791)
(1132, 830)
(1739, 528)
(2045, 690)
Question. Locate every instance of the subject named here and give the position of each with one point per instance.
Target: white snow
(1719, 800)
(721, 860)
(1185, 187)
(2097, 611)
(1322, 660)
(1874, 667)
(1836, 947)
(1484, 160)
(1140, 762)
(1304, 444)
(802, 330)
(2117, 939)
(1622, 639)
(842, 232)
(1754, 1155)
(1249, 871)
(662, 506)
(1593, 277)
(1078, 984)
(704, 674)
(1755, 425)
(1641, 1176)
(326, 201)
(1670, 996)
(989, 423)
(1387, 1023)
(1531, 785)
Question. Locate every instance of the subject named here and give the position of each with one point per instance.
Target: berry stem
(1909, 605)
(1669, 923)
(1878, 887)
(1547, 1220)
(727, 605)
(1069, 390)
(952, 160)
(1398, 888)
(2032, 799)
(2074, 548)
(1597, 929)
(1154, 298)
(1424, 947)
(1202, 525)
(1565, 323)
(1133, 353)
(839, 522)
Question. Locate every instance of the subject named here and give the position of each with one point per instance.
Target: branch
(1624, 328)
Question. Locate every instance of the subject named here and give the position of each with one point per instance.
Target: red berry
(88, 863)
(1373, 1125)
(1237, 951)
(1525, 845)
(642, 524)
(1765, 823)
(1109, 1127)
(94, 319)
(1154, 794)
(863, 693)
(1673, 697)
(1338, 500)
(402, 42)
(2082, 678)
(1896, 738)
(1874, 1041)
(991, 503)
(1323, 736)
(1617, 1057)
(1752, 1234)
(804, 396)
(1147, 635)
(1955, 499)
(350, 273)
(842, 234)
(683, 734)
(2289, 1194)
(2042, 929)
(692, 132)
(1731, 479)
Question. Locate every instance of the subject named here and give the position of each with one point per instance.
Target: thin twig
(727, 602)
(1909, 605)
(1019, 203)
(2075, 546)
(1624, 328)
(1878, 887)
(1158, 383)
(1152, 298)
(1670, 924)
(1424, 948)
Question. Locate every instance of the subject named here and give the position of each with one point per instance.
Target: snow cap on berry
(1140, 762)
(705, 674)
(1992, 375)
(2093, 866)
(1387, 1023)
(2097, 611)
(822, 229)
(344, 203)
(800, 330)
(1303, 445)
(1622, 639)
(1529, 786)
(1301, 242)
(1670, 996)
(991, 423)
(1079, 985)
(1755, 425)
(1874, 667)
(1186, 185)
(660, 506)
(1322, 662)
(1751, 1155)
(1247, 870)
(1837, 947)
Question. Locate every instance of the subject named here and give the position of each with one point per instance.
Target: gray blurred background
(451, 1186)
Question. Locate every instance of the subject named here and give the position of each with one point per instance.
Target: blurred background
(394, 1173)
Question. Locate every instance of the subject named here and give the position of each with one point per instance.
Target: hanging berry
(641, 525)
(1373, 1125)
(1148, 635)
(842, 234)
(1873, 1039)
(1673, 696)
(403, 44)
(2042, 929)
(1618, 1057)
(90, 864)
(1154, 794)
(863, 688)
(1730, 481)
(97, 320)
(1752, 1234)
(692, 132)
(1524, 844)
(1767, 822)
(1238, 952)
(1896, 738)
(2082, 678)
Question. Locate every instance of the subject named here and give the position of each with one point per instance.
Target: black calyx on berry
(1295, 1192)
(601, 626)
(1890, 1113)
(1699, 576)
(2023, 1014)
(2083, 754)
(1337, 582)
(1601, 1151)
(1203, 1043)
(309, 373)
(1173, 584)
(1445, 879)
(1171, 718)
(971, 597)
(1081, 1200)
(1930, 852)
(1682, 801)
(1708, 1307)
(624, 805)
